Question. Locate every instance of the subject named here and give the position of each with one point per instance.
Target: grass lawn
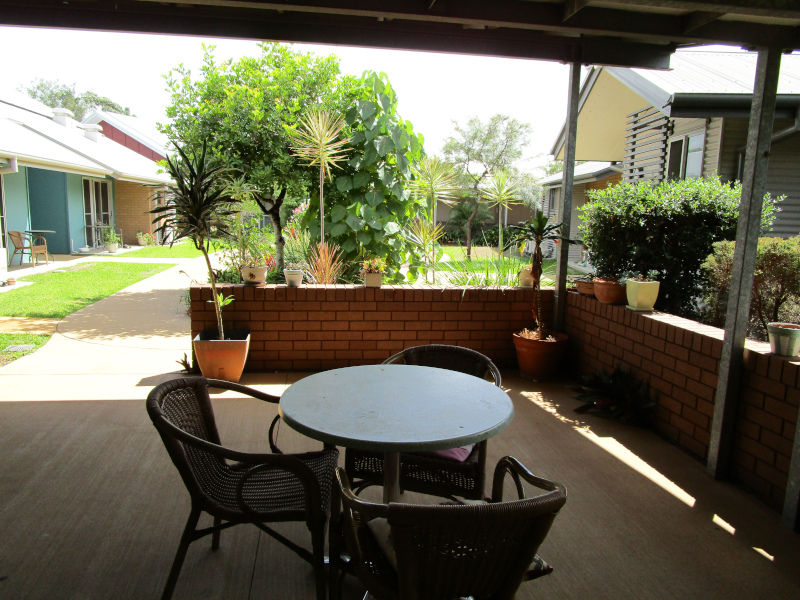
(185, 250)
(483, 257)
(14, 339)
(55, 295)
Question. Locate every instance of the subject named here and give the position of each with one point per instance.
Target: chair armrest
(367, 510)
(243, 389)
(509, 464)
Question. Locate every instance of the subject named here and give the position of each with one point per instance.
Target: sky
(433, 89)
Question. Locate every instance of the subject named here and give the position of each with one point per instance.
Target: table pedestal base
(391, 477)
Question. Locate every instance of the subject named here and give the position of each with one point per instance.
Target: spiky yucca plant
(434, 179)
(501, 191)
(194, 207)
(317, 142)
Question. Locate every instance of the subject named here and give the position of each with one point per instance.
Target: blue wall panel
(77, 231)
(48, 203)
(15, 188)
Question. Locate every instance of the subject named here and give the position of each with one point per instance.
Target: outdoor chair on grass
(238, 487)
(445, 473)
(27, 244)
(483, 550)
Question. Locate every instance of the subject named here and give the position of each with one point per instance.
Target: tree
(479, 149)
(55, 94)
(247, 108)
(370, 204)
(557, 166)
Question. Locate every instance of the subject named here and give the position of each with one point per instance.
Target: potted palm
(539, 351)
(195, 208)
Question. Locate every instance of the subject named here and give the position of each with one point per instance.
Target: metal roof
(588, 171)
(37, 140)
(639, 33)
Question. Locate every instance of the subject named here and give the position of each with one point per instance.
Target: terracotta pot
(254, 275)
(373, 280)
(642, 295)
(609, 290)
(784, 338)
(540, 359)
(585, 288)
(222, 359)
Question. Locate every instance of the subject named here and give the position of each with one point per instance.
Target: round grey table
(396, 408)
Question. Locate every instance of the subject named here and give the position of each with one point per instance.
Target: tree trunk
(274, 212)
(213, 280)
(469, 230)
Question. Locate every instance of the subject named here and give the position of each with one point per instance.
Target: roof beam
(699, 18)
(544, 17)
(571, 8)
(765, 8)
(337, 30)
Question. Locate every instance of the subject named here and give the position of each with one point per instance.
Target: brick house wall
(124, 139)
(326, 327)
(132, 201)
(680, 360)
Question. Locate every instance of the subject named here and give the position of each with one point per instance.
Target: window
(552, 198)
(686, 156)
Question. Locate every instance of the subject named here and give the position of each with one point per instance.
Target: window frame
(683, 140)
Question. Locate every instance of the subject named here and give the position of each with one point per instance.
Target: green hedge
(668, 227)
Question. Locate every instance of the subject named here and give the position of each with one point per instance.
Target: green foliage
(669, 227)
(460, 218)
(369, 201)
(54, 94)
(55, 295)
(776, 284)
(619, 395)
(247, 108)
(486, 272)
(110, 236)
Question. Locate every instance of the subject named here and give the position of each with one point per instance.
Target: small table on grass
(394, 409)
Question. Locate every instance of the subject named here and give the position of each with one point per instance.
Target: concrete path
(114, 349)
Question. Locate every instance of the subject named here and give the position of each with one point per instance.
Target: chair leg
(186, 539)
(318, 550)
(215, 535)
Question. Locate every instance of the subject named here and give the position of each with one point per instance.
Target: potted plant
(608, 288)
(254, 270)
(145, 239)
(372, 271)
(539, 351)
(585, 285)
(784, 338)
(642, 291)
(293, 272)
(195, 208)
(525, 277)
(111, 240)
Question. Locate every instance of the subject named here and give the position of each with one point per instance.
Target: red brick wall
(680, 359)
(326, 327)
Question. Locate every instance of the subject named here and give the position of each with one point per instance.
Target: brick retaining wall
(680, 359)
(326, 327)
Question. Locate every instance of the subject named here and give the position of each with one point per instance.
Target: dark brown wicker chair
(429, 474)
(452, 551)
(237, 487)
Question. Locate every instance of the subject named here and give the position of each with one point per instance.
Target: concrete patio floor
(92, 508)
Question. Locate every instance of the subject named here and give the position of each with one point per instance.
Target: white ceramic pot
(294, 277)
(642, 295)
(525, 278)
(112, 248)
(254, 275)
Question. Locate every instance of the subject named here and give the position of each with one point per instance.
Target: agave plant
(537, 231)
(317, 142)
(195, 207)
(501, 191)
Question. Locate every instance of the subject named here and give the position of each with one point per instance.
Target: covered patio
(91, 504)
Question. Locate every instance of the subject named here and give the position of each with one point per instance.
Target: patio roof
(625, 32)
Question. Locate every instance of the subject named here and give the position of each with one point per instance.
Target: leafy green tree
(557, 166)
(479, 149)
(55, 94)
(247, 108)
(370, 204)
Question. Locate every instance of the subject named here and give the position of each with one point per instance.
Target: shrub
(668, 227)
(457, 223)
(776, 284)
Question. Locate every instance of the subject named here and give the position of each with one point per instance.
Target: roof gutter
(11, 167)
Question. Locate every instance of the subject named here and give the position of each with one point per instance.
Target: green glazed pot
(784, 338)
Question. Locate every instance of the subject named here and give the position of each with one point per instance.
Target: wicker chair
(28, 244)
(237, 487)
(427, 474)
(451, 551)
